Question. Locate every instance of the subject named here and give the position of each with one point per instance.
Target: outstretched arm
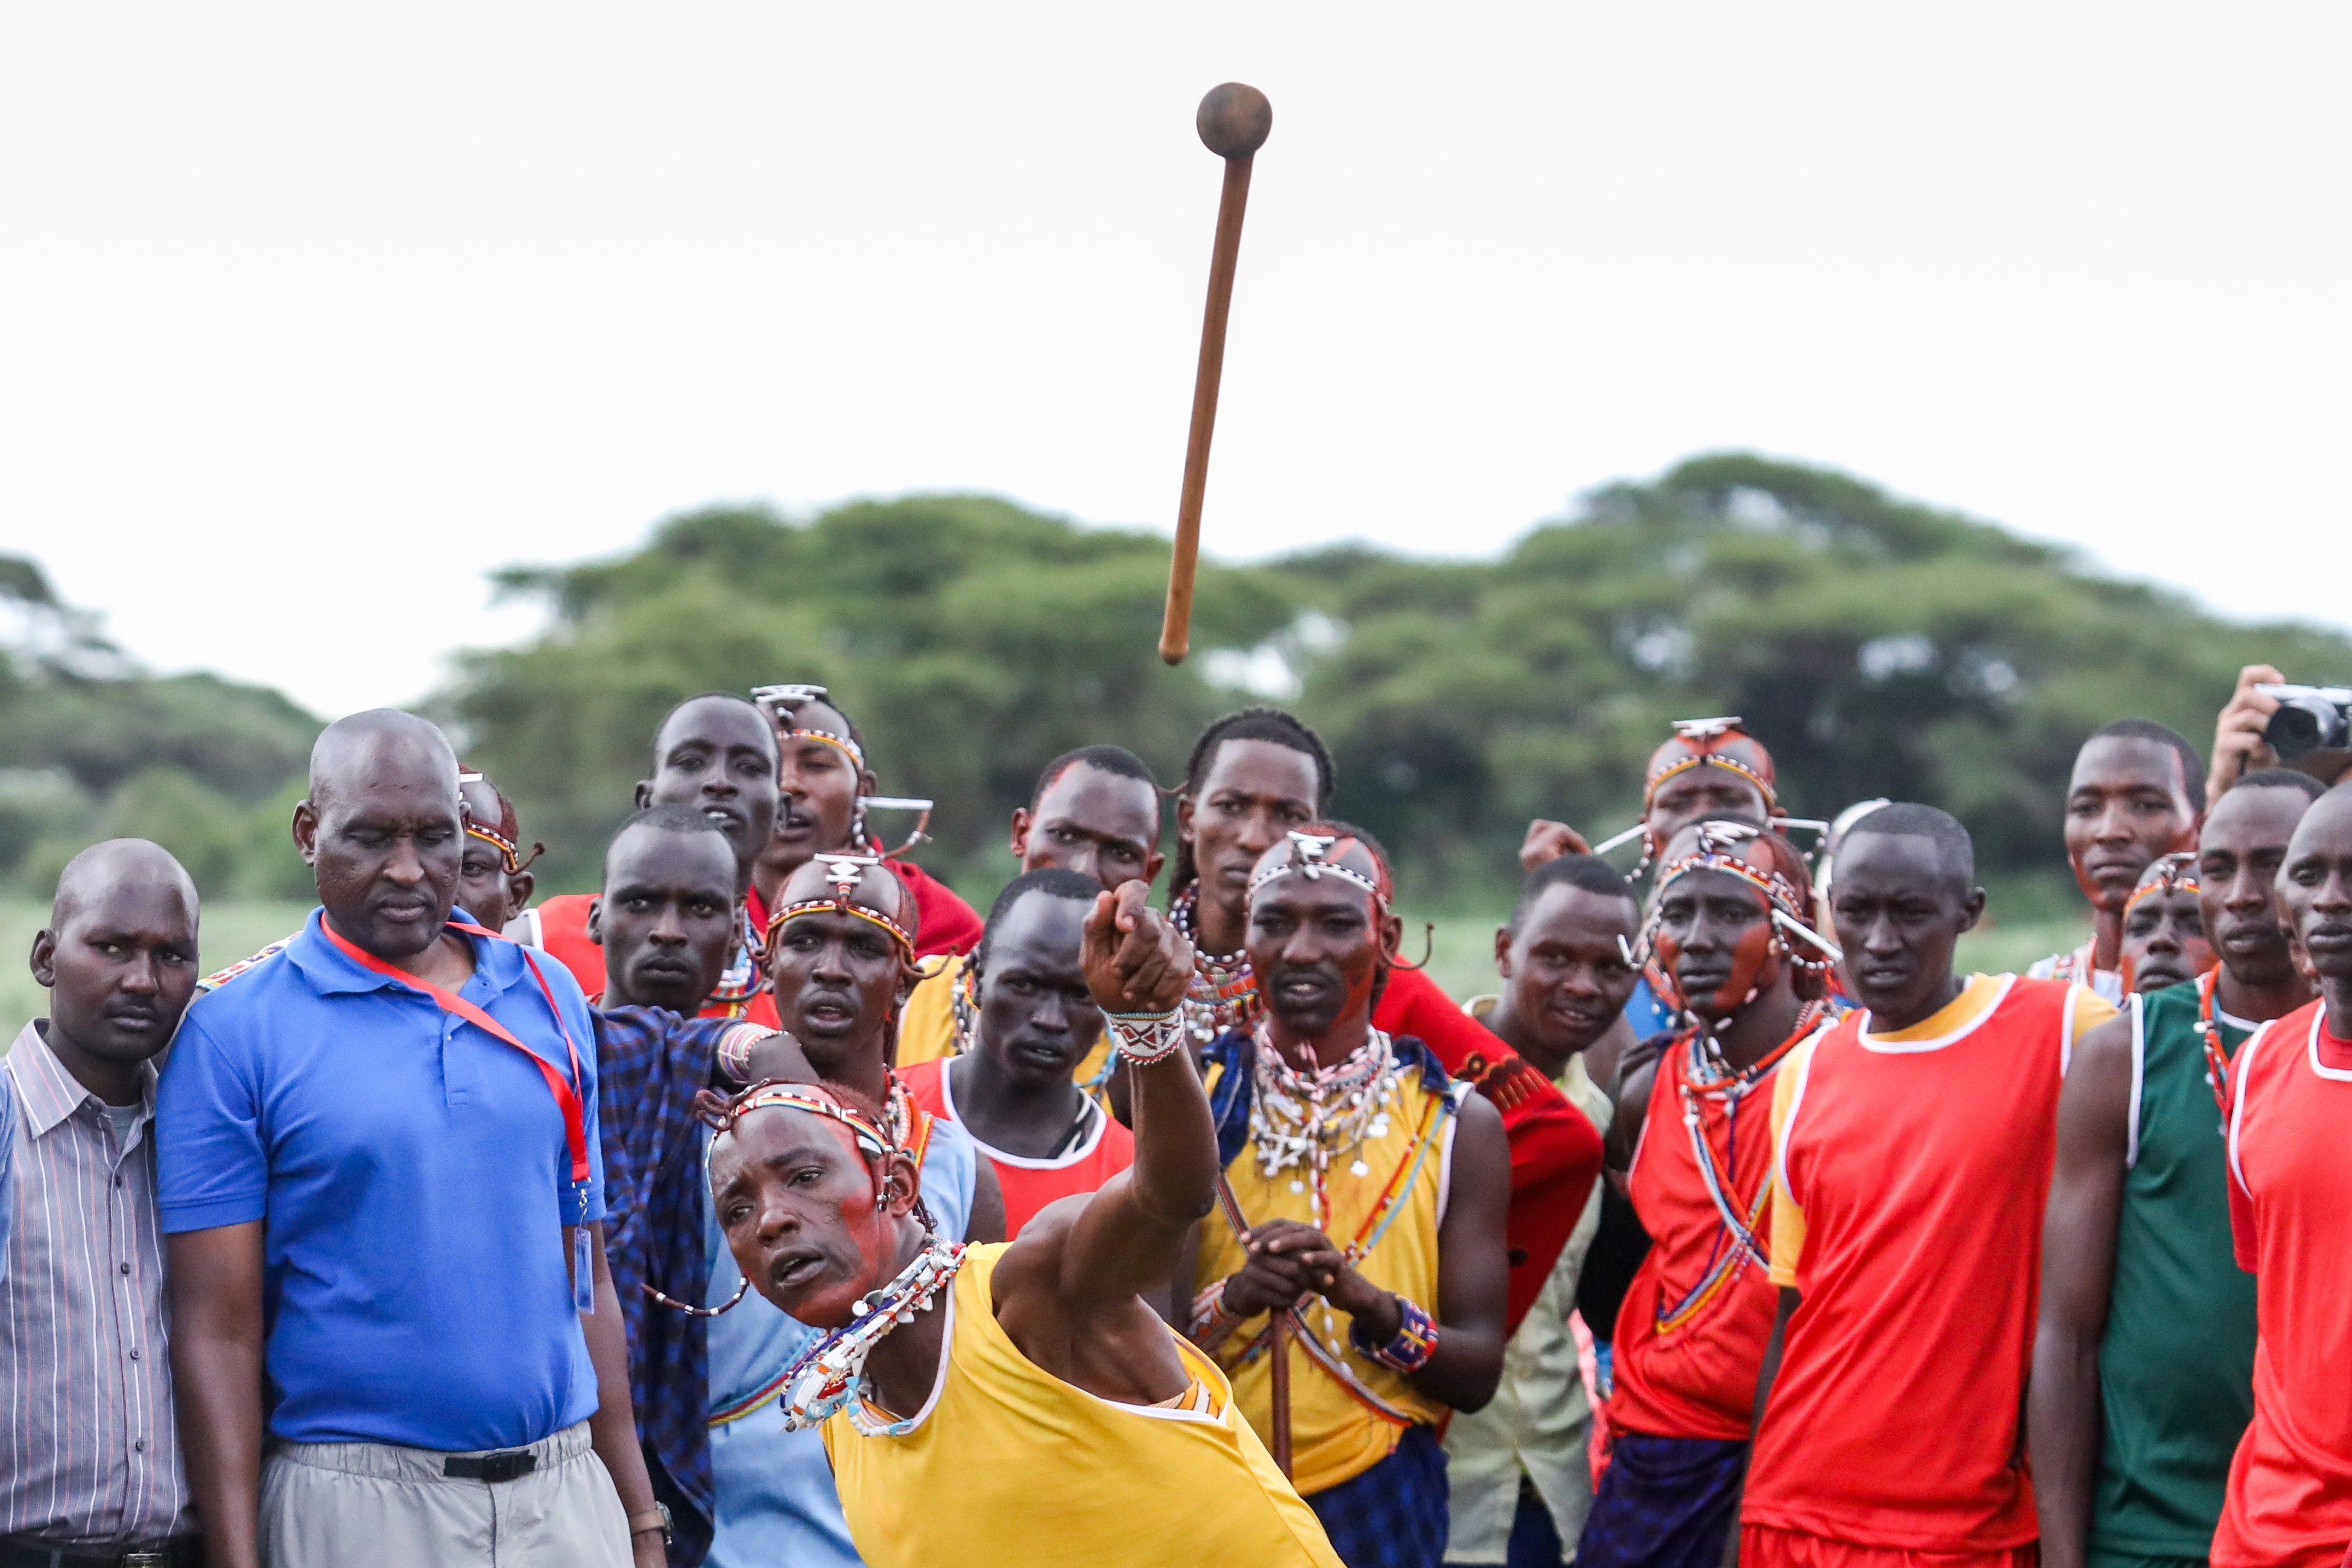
(1125, 1240)
(2078, 1258)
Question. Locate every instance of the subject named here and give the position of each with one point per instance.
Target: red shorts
(1762, 1546)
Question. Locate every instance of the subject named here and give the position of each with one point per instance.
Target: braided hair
(1282, 729)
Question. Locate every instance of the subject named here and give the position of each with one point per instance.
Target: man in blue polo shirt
(380, 1177)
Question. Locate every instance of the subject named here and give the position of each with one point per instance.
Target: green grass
(230, 929)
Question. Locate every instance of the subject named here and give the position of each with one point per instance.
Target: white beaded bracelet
(1147, 1037)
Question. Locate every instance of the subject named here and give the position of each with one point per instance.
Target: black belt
(184, 1551)
(511, 1464)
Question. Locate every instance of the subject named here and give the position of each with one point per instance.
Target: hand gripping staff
(567, 1094)
(1234, 122)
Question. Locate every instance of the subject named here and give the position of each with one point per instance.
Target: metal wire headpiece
(847, 874)
(1311, 857)
(783, 702)
(2173, 873)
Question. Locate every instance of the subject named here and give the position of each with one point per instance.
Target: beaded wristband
(1210, 1318)
(1409, 1352)
(734, 1052)
(1147, 1037)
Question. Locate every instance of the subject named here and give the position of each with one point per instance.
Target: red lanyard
(567, 1095)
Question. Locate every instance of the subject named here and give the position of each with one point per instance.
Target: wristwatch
(654, 1517)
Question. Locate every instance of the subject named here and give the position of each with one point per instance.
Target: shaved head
(119, 958)
(127, 865)
(365, 746)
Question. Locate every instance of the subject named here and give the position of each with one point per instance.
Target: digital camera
(2309, 719)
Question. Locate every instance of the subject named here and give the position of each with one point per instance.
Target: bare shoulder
(2105, 1048)
(1033, 1260)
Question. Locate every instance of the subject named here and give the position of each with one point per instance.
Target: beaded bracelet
(1409, 1352)
(1147, 1037)
(734, 1052)
(1211, 1322)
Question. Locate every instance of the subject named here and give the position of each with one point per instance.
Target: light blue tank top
(775, 1498)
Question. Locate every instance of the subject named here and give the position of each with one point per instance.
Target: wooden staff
(1280, 1367)
(1234, 122)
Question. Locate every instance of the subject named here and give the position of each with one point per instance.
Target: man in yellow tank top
(1013, 1404)
(1352, 1280)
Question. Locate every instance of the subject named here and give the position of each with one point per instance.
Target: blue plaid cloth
(1663, 1502)
(649, 1063)
(1394, 1515)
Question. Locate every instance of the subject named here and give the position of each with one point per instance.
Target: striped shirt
(89, 1454)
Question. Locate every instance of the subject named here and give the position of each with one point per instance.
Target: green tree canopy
(1878, 647)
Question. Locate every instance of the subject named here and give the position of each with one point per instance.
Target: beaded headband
(1718, 845)
(2173, 873)
(509, 853)
(847, 873)
(815, 1100)
(1312, 856)
(784, 703)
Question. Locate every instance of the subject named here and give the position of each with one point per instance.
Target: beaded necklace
(2217, 1061)
(1735, 1245)
(744, 977)
(1303, 1121)
(1223, 994)
(830, 1376)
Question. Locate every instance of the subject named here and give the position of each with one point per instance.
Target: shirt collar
(496, 964)
(51, 1094)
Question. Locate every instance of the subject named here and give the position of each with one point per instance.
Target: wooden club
(1234, 122)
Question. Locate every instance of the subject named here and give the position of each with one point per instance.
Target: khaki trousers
(371, 1505)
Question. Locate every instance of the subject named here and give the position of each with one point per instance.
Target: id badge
(583, 1273)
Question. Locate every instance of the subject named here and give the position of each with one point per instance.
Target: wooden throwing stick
(1234, 122)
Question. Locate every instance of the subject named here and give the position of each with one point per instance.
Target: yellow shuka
(1336, 1432)
(926, 1023)
(1009, 1465)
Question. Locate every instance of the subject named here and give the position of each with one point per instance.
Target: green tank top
(2177, 1360)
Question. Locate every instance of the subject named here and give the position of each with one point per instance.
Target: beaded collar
(830, 1376)
(1223, 994)
(1304, 1120)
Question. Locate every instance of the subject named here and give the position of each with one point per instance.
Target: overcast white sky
(308, 314)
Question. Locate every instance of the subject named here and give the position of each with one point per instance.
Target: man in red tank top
(1912, 1154)
(1731, 928)
(1010, 1087)
(714, 753)
(2290, 1498)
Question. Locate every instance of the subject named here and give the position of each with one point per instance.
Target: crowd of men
(1736, 1225)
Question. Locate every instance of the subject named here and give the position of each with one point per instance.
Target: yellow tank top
(1011, 1465)
(1337, 1430)
(927, 1024)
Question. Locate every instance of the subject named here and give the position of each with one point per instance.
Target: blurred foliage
(968, 639)
(1877, 646)
(93, 748)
